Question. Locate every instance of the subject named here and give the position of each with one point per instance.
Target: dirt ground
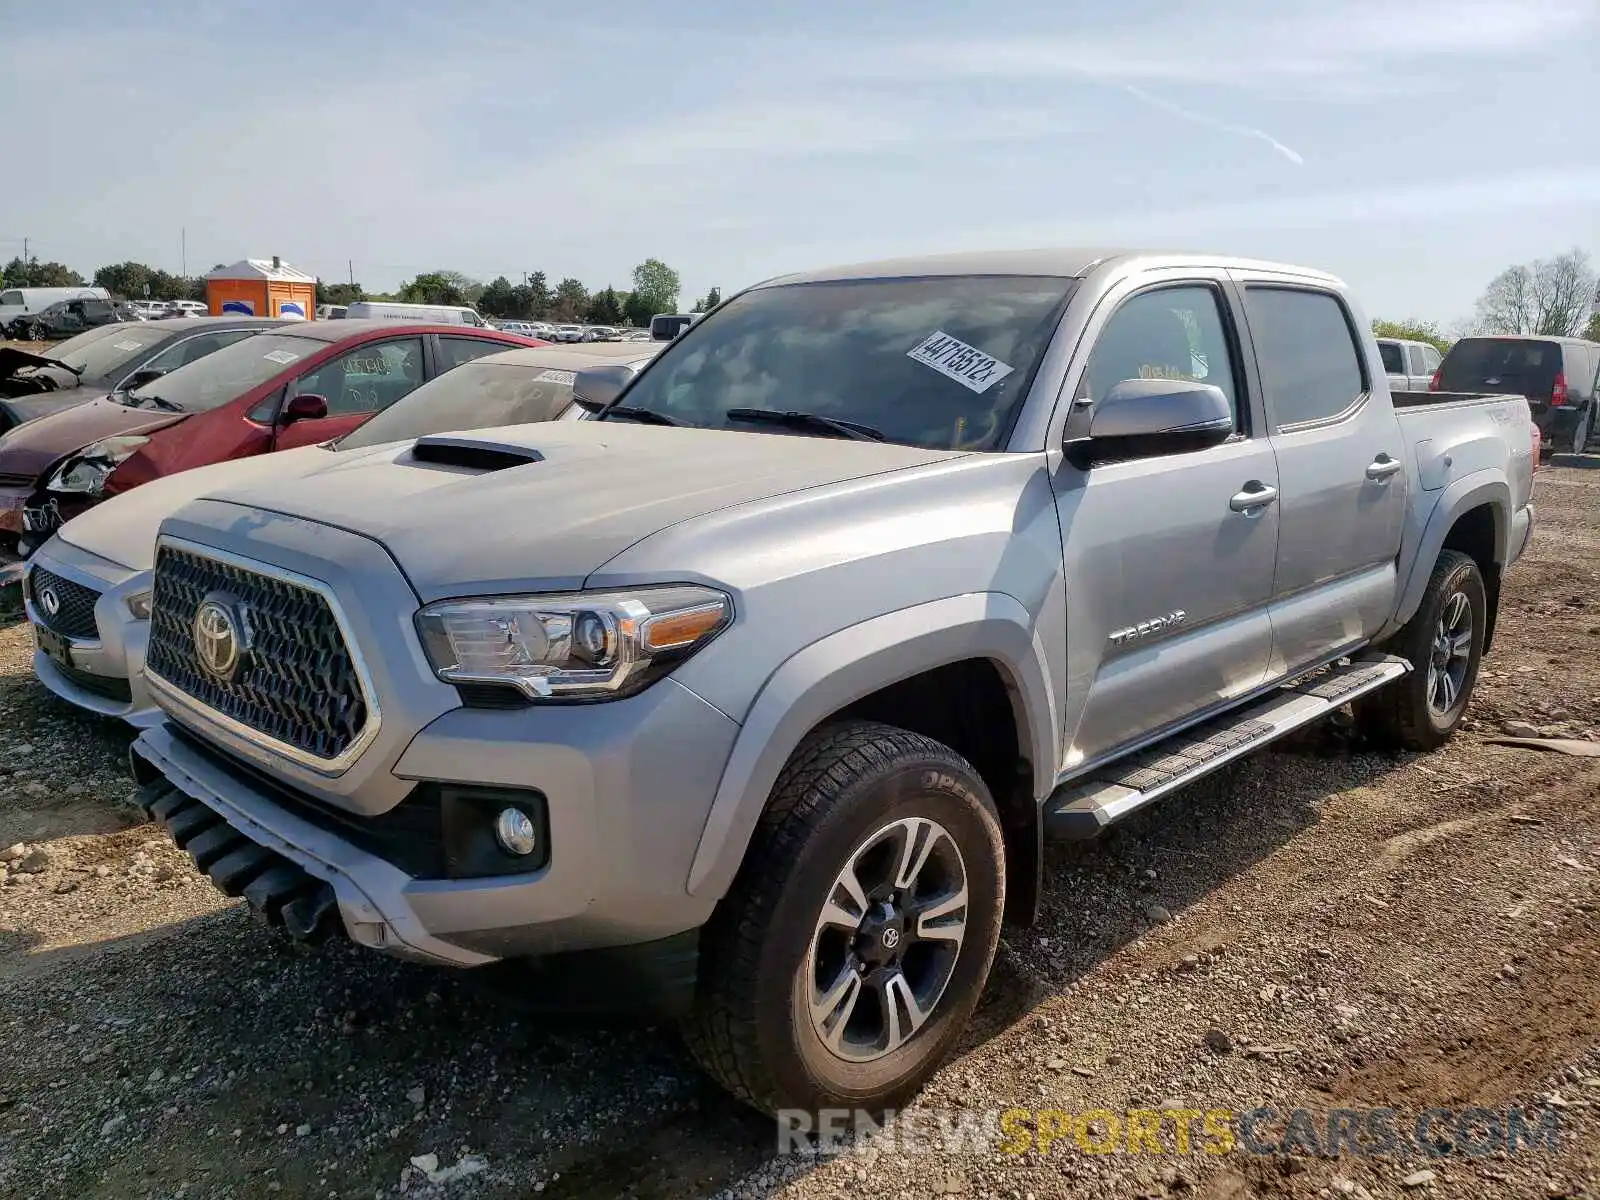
(1315, 928)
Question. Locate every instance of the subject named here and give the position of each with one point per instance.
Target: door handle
(1255, 495)
(1382, 467)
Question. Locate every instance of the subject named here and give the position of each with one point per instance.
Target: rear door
(1338, 448)
(361, 381)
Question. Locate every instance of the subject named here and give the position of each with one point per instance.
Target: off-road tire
(1399, 717)
(844, 781)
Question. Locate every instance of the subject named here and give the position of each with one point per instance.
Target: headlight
(86, 471)
(578, 646)
(138, 604)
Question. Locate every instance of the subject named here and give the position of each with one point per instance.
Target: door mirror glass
(1159, 416)
(307, 406)
(596, 387)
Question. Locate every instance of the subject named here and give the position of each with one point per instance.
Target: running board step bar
(1084, 807)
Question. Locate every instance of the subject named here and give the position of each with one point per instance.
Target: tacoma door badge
(1150, 628)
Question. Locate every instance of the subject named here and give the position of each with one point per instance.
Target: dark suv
(65, 318)
(1556, 374)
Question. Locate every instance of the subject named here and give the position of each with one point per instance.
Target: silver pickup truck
(758, 694)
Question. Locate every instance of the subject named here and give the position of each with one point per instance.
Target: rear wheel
(852, 948)
(1443, 642)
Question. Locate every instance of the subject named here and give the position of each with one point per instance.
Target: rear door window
(453, 351)
(1391, 358)
(1306, 350)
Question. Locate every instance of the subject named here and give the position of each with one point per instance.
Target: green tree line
(655, 290)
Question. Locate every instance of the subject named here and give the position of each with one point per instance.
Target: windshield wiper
(158, 401)
(648, 416)
(804, 420)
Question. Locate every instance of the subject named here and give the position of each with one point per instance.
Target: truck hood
(123, 529)
(595, 489)
(31, 449)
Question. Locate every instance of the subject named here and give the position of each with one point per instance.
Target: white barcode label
(967, 365)
(552, 375)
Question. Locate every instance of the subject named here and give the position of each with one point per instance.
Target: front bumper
(106, 675)
(627, 786)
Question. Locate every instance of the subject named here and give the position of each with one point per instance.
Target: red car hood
(30, 450)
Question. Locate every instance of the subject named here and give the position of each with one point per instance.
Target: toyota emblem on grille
(221, 636)
(49, 601)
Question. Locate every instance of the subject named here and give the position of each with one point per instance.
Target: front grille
(74, 604)
(297, 685)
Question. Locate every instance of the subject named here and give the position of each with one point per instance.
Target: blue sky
(1415, 147)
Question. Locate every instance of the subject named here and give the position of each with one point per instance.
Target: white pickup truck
(1409, 365)
(760, 691)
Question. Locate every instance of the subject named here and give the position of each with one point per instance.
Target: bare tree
(1551, 297)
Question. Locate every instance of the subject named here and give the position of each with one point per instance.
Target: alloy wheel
(1451, 654)
(887, 939)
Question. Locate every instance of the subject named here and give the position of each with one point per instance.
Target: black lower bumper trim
(281, 892)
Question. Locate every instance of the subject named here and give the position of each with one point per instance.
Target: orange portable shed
(261, 287)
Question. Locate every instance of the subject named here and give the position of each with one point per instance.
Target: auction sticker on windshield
(281, 356)
(551, 375)
(967, 365)
(128, 345)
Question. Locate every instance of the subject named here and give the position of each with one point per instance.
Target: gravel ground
(1316, 927)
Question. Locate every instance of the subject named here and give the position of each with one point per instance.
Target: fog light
(513, 829)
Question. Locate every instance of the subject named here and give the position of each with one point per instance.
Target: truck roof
(1063, 262)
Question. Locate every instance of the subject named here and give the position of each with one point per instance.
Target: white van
(438, 314)
(26, 301)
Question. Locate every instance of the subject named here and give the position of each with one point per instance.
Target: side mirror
(139, 378)
(594, 388)
(1140, 418)
(305, 407)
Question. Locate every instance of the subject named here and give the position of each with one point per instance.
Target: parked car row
(744, 682)
(232, 388)
(572, 333)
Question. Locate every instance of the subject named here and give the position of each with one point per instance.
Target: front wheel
(36, 332)
(852, 948)
(1443, 642)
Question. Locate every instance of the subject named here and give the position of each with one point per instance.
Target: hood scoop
(472, 454)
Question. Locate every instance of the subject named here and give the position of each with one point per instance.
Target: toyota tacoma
(758, 694)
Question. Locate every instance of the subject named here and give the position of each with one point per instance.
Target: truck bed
(1421, 399)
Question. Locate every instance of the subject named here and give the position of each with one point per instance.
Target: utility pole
(183, 249)
(351, 264)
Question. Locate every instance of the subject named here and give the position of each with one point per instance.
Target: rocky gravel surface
(1317, 928)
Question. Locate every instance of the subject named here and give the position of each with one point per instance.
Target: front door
(1340, 456)
(1169, 559)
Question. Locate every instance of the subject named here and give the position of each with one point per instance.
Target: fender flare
(1481, 487)
(843, 667)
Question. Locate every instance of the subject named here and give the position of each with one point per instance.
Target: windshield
(476, 395)
(101, 353)
(1391, 358)
(942, 362)
(219, 378)
(1517, 365)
